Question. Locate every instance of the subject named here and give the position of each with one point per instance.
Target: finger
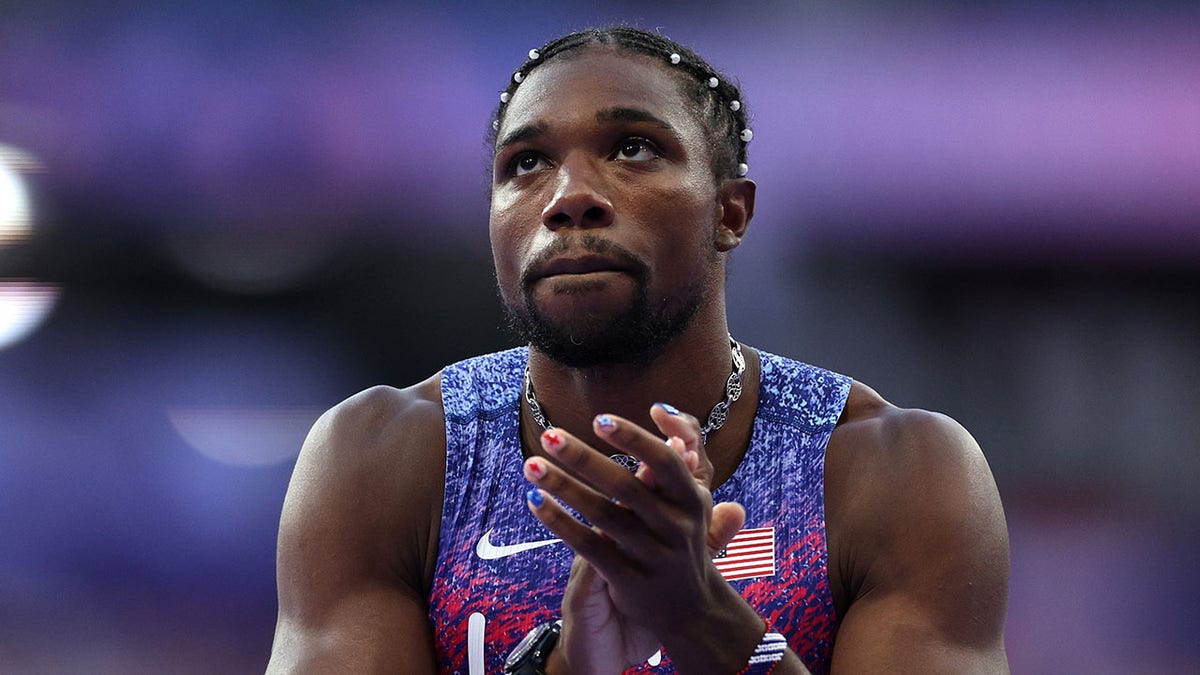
(586, 542)
(640, 520)
(672, 478)
(727, 520)
(593, 468)
(691, 459)
(599, 510)
(557, 519)
(673, 422)
(645, 474)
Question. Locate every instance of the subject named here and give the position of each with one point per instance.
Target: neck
(691, 374)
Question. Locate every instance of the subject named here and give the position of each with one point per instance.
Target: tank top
(500, 572)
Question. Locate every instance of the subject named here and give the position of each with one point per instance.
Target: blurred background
(219, 219)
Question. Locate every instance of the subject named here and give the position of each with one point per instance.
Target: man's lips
(581, 265)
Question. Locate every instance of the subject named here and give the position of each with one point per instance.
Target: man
(429, 529)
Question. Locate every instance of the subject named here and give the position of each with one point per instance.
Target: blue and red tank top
(500, 572)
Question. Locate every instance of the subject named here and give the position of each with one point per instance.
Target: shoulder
(380, 420)
(913, 511)
(898, 448)
(371, 469)
(375, 438)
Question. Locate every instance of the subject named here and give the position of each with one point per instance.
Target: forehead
(573, 87)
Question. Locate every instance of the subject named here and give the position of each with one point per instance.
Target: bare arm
(357, 539)
(918, 533)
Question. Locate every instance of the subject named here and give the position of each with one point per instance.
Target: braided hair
(718, 102)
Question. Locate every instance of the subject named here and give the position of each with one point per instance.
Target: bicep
(935, 584)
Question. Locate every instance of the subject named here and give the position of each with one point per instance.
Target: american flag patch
(751, 553)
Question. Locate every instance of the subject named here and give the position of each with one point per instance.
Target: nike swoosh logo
(488, 551)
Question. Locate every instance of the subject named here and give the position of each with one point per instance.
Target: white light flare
(16, 216)
(24, 306)
(244, 436)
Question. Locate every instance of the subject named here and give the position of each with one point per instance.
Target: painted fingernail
(553, 439)
(606, 423)
(668, 407)
(534, 497)
(536, 467)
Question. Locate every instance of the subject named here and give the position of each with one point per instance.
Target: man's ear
(736, 201)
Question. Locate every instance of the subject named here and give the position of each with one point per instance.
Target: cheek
(507, 251)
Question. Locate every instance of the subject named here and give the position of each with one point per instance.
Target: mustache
(588, 243)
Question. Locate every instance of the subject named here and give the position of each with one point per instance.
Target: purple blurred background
(217, 220)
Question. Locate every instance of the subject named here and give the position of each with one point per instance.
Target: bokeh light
(252, 263)
(24, 306)
(244, 436)
(16, 216)
(24, 303)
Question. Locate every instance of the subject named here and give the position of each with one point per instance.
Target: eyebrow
(615, 114)
(522, 133)
(631, 115)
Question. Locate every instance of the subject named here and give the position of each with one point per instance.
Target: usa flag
(751, 553)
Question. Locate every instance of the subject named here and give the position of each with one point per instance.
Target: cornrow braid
(718, 101)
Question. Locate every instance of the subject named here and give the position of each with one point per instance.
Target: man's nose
(579, 200)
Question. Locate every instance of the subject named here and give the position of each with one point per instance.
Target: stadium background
(219, 219)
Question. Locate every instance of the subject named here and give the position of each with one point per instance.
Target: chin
(636, 335)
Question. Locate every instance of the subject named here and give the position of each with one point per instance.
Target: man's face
(604, 208)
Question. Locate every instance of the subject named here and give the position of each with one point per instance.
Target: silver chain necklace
(716, 417)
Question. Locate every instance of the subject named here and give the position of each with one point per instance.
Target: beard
(633, 336)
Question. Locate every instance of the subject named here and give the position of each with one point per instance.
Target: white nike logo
(486, 550)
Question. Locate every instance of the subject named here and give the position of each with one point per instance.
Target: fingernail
(668, 407)
(536, 467)
(534, 497)
(552, 439)
(606, 423)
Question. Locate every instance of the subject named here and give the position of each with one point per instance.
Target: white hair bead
(496, 124)
(534, 54)
(735, 105)
(747, 135)
(743, 169)
(517, 77)
(713, 82)
(675, 59)
(504, 99)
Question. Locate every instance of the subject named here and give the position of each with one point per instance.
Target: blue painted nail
(606, 422)
(535, 497)
(668, 407)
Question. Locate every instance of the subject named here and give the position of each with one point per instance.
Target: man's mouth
(587, 264)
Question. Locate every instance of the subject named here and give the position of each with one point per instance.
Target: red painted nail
(553, 439)
(537, 468)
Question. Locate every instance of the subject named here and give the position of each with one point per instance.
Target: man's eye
(527, 164)
(636, 150)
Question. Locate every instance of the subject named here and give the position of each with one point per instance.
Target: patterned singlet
(500, 572)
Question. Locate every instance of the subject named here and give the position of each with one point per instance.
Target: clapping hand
(645, 563)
